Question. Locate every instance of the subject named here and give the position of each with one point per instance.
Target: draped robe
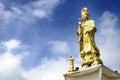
(86, 32)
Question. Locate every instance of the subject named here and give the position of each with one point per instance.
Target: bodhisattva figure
(89, 52)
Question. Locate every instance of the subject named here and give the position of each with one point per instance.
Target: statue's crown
(84, 9)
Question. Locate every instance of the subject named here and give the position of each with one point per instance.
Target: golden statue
(89, 52)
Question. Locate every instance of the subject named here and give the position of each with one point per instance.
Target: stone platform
(99, 72)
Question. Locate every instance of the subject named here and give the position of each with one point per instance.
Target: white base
(99, 72)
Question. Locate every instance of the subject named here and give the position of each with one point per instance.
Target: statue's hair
(85, 10)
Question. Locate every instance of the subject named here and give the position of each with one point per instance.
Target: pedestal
(99, 72)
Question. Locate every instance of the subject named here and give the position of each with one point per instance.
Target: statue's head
(85, 14)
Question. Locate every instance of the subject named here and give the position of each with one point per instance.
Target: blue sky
(37, 36)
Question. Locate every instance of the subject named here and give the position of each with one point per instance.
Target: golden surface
(88, 49)
(71, 67)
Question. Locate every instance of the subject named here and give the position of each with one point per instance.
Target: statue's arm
(92, 26)
(79, 30)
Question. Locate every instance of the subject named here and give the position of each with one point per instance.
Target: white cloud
(59, 47)
(12, 69)
(108, 40)
(44, 8)
(10, 45)
(10, 64)
(49, 69)
(26, 12)
(7, 59)
(15, 18)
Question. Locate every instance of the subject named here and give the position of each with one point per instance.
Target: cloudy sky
(37, 36)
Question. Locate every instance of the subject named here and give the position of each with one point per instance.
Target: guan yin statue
(92, 65)
(88, 50)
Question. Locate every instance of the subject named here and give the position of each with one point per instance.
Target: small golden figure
(89, 52)
(71, 67)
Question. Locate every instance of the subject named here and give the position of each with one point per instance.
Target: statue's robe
(86, 32)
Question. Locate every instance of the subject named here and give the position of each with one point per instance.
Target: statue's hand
(79, 22)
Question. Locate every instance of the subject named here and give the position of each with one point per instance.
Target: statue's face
(84, 16)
